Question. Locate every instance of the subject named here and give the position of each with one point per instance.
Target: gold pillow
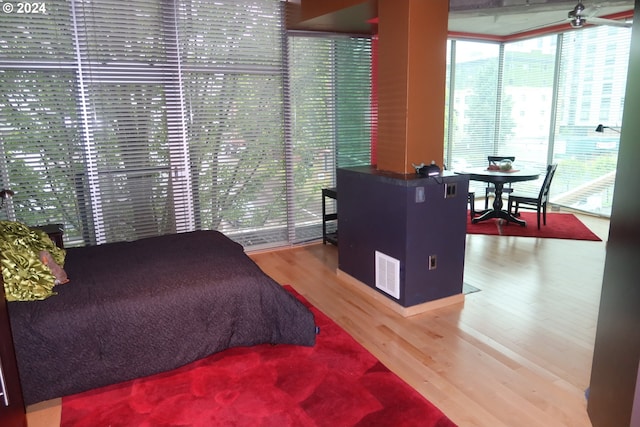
(25, 277)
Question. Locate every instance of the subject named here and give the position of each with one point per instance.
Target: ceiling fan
(580, 15)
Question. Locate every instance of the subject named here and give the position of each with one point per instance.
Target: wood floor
(517, 353)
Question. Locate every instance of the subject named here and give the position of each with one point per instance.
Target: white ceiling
(504, 18)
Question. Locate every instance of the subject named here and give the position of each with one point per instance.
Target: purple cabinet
(403, 235)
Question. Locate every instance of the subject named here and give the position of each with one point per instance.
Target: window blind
(125, 82)
(169, 118)
(472, 113)
(41, 146)
(40, 136)
(42, 37)
(354, 120)
(124, 121)
(234, 115)
(330, 126)
(591, 90)
(527, 95)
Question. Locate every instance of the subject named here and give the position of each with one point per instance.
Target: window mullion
(89, 182)
(179, 151)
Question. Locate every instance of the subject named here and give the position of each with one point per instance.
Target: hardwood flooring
(517, 353)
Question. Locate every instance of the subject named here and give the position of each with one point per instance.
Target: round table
(499, 179)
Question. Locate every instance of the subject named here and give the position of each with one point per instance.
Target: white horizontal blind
(146, 117)
(353, 113)
(41, 145)
(526, 105)
(593, 75)
(232, 70)
(330, 101)
(44, 36)
(40, 135)
(126, 81)
(473, 111)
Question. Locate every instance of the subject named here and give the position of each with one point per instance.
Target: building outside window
(511, 101)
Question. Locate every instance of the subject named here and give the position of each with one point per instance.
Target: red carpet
(335, 383)
(559, 226)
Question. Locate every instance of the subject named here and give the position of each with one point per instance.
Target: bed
(133, 309)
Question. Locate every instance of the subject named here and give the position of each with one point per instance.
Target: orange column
(411, 83)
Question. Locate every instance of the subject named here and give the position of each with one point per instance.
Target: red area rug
(335, 383)
(559, 226)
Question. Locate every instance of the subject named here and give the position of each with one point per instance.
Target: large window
(124, 121)
(330, 81)
(130, 120)
(591, 87)
(472, 97)
(540, 100)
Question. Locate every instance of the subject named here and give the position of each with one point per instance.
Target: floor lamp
(600, 128)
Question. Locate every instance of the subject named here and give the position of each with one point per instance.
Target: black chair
(471, 198)
(491, 189)
(538, 202)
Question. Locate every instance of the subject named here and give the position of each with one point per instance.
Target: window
(123, 57)
(233, 100)
(540, 116)
(587, 159)
(40, 124)
(470, 134)
(124, 121)
(330, 86)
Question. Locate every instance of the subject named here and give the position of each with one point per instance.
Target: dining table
(499, 178)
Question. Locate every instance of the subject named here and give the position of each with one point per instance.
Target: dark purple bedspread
(133, 309)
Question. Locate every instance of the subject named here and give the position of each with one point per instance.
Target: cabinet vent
(388, 274)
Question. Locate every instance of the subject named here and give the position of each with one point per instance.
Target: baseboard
(369, 292)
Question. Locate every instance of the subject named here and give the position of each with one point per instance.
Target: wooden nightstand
(55, 232)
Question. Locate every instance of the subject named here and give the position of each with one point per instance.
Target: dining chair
(491, 189)
(537, 203)
(471, 198)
